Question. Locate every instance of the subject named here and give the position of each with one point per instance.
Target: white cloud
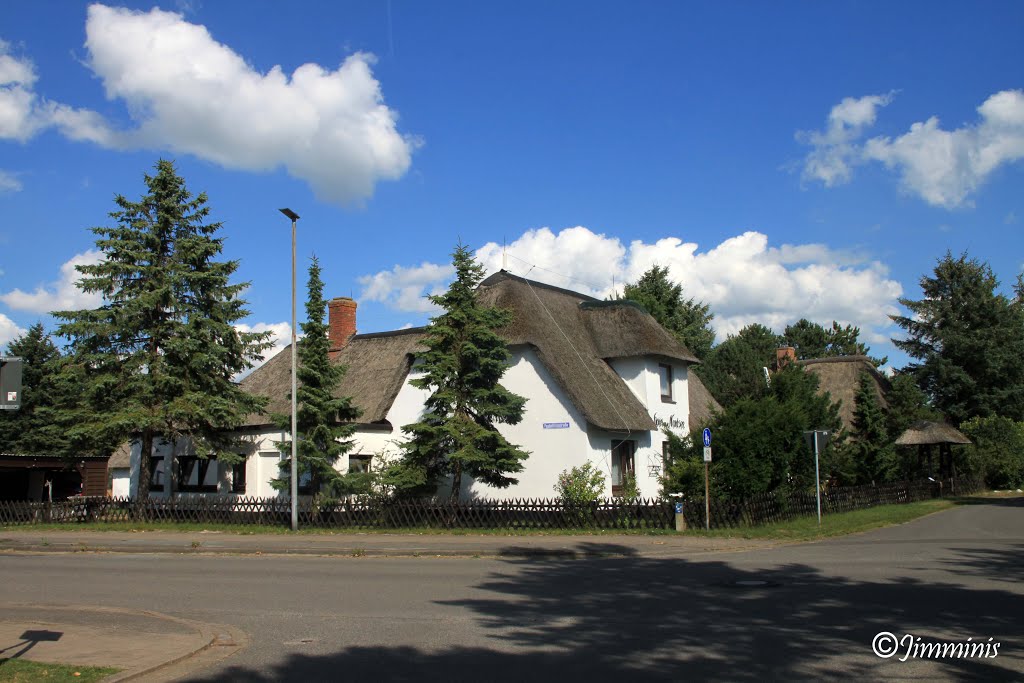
(9, 331)
(943, 167)
(187, 93)
(61, 294)
(19, 105)
(404, 289)
(834, 152)
(9, 182)
(743, 278)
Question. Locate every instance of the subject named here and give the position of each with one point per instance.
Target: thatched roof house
(574, 335)
(839, 376)
(601, 379)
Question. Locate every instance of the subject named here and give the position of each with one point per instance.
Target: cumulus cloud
(60, 294)
(834, 152)
(405, 289)
(743, 279)
(188, 93)
(19, 104)
(943, 167)
(9, 182)
(9, 331)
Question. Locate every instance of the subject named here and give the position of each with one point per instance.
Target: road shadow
(1016, 500)
(660, 619)
(997, 564)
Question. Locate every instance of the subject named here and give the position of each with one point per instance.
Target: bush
(580, 485)
(998, 451)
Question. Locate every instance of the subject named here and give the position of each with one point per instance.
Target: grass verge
(841, 524)
(26, 671)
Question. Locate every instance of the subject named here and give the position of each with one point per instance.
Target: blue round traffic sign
(707, 436)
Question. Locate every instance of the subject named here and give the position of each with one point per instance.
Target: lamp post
(295, 462)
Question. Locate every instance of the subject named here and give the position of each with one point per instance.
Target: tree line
(965, 340)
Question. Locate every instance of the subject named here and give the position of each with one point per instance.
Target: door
(622, 465)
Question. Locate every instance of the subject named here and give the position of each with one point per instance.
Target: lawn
(26, 671)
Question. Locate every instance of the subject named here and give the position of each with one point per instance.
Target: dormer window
(665, 376)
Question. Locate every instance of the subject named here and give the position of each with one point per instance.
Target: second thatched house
(601, 379)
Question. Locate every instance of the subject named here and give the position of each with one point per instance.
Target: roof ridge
(505, 275)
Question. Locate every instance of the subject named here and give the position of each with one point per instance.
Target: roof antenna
(504, 255)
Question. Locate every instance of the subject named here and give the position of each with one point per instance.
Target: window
(195, 475)
(665, 375)
(622, 464)
(238, 477)
(156, 474)
(666, 455)
(305, 487)
(359, 463)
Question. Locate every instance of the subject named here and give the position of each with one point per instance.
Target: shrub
(581, 485)
(998, 451)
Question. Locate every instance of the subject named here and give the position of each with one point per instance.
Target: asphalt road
(803, 611)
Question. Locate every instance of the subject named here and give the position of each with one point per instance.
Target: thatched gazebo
(925, 434)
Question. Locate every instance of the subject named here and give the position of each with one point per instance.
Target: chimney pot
(341, 323)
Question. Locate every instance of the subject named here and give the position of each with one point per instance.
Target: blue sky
(783, 160)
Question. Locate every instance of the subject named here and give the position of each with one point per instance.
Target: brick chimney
(784, 355)
(341, 323)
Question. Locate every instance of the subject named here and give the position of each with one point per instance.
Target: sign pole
(707, 499)
(706, 437)
(817, 477)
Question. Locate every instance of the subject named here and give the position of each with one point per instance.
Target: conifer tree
(967, 342)
(157, 359)
(462, 366)
(871, 447)
(323, 420)
(33, 427)
(688, 320)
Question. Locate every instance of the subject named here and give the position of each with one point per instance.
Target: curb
(211, 635)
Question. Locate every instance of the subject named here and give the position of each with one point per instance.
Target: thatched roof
(377, 367)
(702, 403)
(121, 457)
(839, 376)
(925, 433)
(573, 335)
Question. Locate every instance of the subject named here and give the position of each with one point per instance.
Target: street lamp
(295, 462)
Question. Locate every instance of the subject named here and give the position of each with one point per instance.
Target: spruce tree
(323, 420)
(967, 342)
(462, 366)
(157, 358)
(688, 320)
(871, 447)
(32, 428)
(734, 369)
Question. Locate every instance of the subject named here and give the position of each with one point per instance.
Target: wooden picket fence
(525, 513)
